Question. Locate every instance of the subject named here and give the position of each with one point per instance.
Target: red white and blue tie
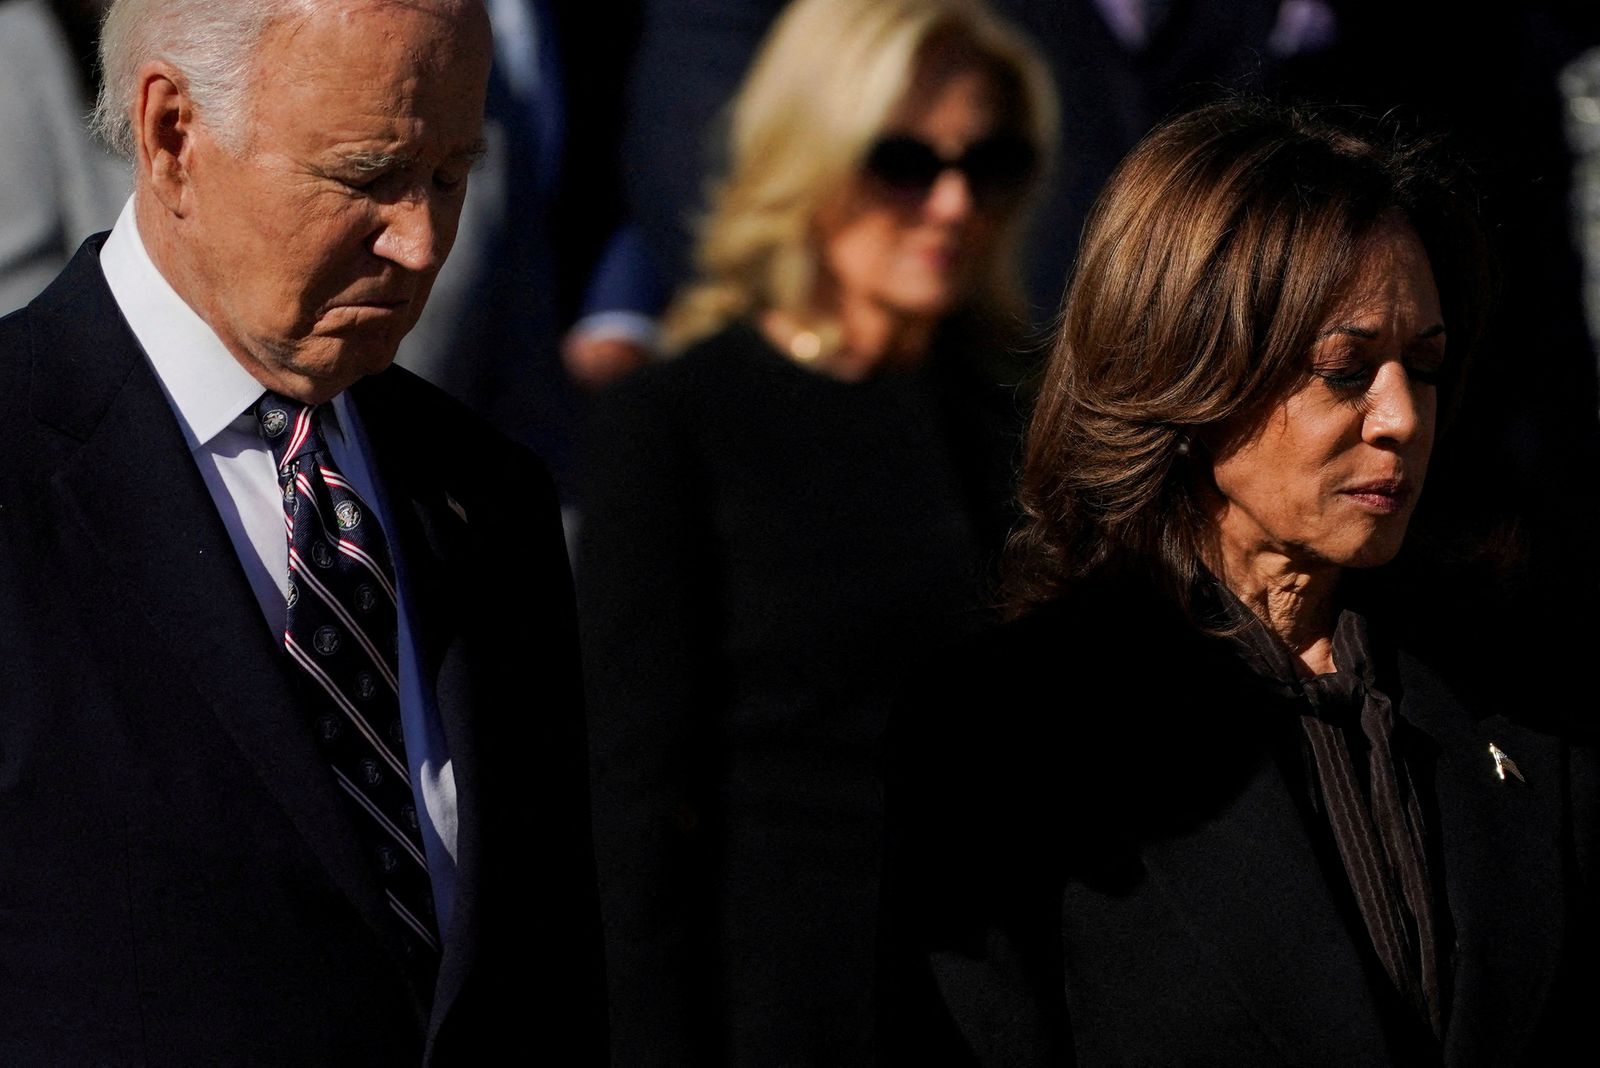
(341, 630)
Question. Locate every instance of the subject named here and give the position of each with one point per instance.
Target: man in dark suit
(291, 760)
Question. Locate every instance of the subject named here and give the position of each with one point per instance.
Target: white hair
(213, 43)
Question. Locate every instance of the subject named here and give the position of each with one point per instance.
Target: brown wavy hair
(1208, 264)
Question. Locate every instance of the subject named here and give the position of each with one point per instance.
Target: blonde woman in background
(811, 491)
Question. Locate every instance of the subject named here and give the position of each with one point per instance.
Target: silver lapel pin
(1503, 763)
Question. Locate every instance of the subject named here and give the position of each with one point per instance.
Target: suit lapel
(134, 491)
(1503, 875)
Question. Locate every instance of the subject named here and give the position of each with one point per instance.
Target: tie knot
(290, 428)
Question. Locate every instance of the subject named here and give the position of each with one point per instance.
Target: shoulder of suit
(678, 398)
(14, 332)
(400, 408)
(1097, 630)
(1076, 687)
(16, 344)
(399, 394)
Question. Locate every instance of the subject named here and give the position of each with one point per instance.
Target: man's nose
(416, 232)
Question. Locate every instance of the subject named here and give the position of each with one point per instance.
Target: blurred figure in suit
(549, 290)
(57, 184)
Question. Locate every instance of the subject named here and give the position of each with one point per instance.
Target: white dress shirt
(213, 397)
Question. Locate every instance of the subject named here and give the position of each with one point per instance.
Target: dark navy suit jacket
(179, 883)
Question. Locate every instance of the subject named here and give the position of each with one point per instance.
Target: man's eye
(370, 178)
(450, 181)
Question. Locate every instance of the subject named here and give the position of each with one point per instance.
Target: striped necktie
(341, 630)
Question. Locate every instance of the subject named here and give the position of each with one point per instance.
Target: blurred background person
(813, 487)
(1580, 89)
(1119, 66)
(58, 184)
(1259, 775)
(549, 292)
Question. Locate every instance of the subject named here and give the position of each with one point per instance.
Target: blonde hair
(822, 88)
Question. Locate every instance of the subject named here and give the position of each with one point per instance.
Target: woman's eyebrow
(1367, 334)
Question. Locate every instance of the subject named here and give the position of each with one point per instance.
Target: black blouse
(1357, 768)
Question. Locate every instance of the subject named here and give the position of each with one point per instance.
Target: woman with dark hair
(1213, 797)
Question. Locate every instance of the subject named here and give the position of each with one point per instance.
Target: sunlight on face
(919, 257)
(1330, 477)
(318, 243)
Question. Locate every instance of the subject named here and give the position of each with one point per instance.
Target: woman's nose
(950, 198)
(1399, 408)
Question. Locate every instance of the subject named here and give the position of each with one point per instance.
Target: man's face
(314, 244)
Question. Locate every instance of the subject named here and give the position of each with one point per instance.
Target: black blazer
(179, 883)
(1095, 856)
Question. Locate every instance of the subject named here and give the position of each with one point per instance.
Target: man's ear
(164, 131)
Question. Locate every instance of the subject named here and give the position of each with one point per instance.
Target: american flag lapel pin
(1504, 764)
(455, 506)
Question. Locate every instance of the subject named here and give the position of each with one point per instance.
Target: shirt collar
(206, 387)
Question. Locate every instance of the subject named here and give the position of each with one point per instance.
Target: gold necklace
(817, 343)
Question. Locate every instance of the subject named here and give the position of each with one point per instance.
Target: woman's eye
(1429, 372)
(1345, 377)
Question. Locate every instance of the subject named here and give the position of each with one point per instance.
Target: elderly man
(291, 767)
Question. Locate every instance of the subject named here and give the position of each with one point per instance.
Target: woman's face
(1329, 478)
(912, 254)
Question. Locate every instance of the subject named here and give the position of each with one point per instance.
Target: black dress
(763, 548)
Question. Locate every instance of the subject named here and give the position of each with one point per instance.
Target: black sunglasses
(996, 168)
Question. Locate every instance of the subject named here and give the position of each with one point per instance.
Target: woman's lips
(1384, 496)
